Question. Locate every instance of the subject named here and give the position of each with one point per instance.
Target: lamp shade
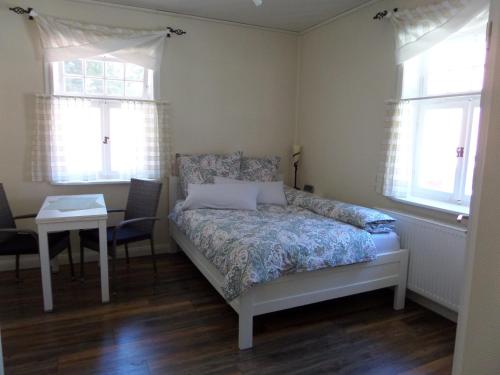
(296, 151)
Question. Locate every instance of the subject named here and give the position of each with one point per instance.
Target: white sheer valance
(421, 28)
(64, 40)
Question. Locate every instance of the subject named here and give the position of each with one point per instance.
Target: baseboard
(433, 306)
(8, 263)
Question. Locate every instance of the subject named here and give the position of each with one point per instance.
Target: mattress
(386, 242)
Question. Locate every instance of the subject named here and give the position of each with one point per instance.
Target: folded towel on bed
(371, 220)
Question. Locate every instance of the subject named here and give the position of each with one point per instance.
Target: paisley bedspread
(254, 247)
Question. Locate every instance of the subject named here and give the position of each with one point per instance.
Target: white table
(71, 212)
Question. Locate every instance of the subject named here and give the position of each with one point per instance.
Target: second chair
(138, 224)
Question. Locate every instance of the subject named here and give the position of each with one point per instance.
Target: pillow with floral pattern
(260, 169)
(202, 168)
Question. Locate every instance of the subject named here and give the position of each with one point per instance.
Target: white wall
(231, 88)
(477, 349)
(347, 72)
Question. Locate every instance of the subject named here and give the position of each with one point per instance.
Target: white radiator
(437, 257)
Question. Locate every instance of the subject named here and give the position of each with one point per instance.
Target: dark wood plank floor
(180, 325)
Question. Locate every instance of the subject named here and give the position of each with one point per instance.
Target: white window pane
(94, 68)
(73, 85)
(150, 84)
(452, 66)
(457, 65)
(411, 77)
(134, 72)
(73, 67)
(114, 70)
(115, 87)
(128, 137)
(94, 86)
(134, 89)
(440, 130)
(81, 135)
(472, 151)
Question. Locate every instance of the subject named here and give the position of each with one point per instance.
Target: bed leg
(173, 246)
(400, 289)
(245, 325)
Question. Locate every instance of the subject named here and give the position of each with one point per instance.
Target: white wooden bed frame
(388, 270)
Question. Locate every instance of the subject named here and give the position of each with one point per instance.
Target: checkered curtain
(67, 139)
(396, 155)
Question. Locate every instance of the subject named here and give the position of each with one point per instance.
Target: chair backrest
(6, 218)
(142, 201)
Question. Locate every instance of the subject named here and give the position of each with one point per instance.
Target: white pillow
(221, 196)
(269, 192)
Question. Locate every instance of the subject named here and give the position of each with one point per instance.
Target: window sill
(86, 183)
(448, 208)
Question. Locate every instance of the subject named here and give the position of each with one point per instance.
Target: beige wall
(478, 337)
(347, 71)
(231, 88)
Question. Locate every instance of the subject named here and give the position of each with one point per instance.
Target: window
(442, 89)
(104, 131)
(103, 77)
(100, 121)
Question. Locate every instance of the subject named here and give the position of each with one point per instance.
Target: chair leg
(113, 272)
(82, 262)
(126, 254)
(153, 255)
(70, 259)
(18, 279)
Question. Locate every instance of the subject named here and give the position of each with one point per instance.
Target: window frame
(458, 196)
(56, 71)
(414, 88)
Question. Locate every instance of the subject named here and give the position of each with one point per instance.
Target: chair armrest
(28, 216)
(29, 232)
(137, 220)
(131, 221)
(113, 210)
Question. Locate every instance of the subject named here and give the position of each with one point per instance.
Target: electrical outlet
(309, 188)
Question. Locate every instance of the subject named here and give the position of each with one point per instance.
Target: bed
(386, 267)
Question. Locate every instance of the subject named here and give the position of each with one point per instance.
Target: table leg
(103, 257)
(1, 356)
(45, 268)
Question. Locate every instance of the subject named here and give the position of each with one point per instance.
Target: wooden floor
(180, 325)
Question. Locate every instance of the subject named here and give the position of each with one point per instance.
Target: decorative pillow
(260, 169)
(222, 197)
(269, 192)
(371, 220)
(202, 168)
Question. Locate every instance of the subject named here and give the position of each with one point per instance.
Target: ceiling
(290, 15)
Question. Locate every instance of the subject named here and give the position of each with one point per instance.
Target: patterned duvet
(254, 247)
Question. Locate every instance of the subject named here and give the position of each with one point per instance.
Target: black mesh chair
(15, 241)
(138, 224)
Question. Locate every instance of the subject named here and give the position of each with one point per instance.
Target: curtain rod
(102, 98)
(444, 96)
(19, 10)
(383, 13)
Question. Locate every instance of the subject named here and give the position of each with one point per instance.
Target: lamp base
(296, 166)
